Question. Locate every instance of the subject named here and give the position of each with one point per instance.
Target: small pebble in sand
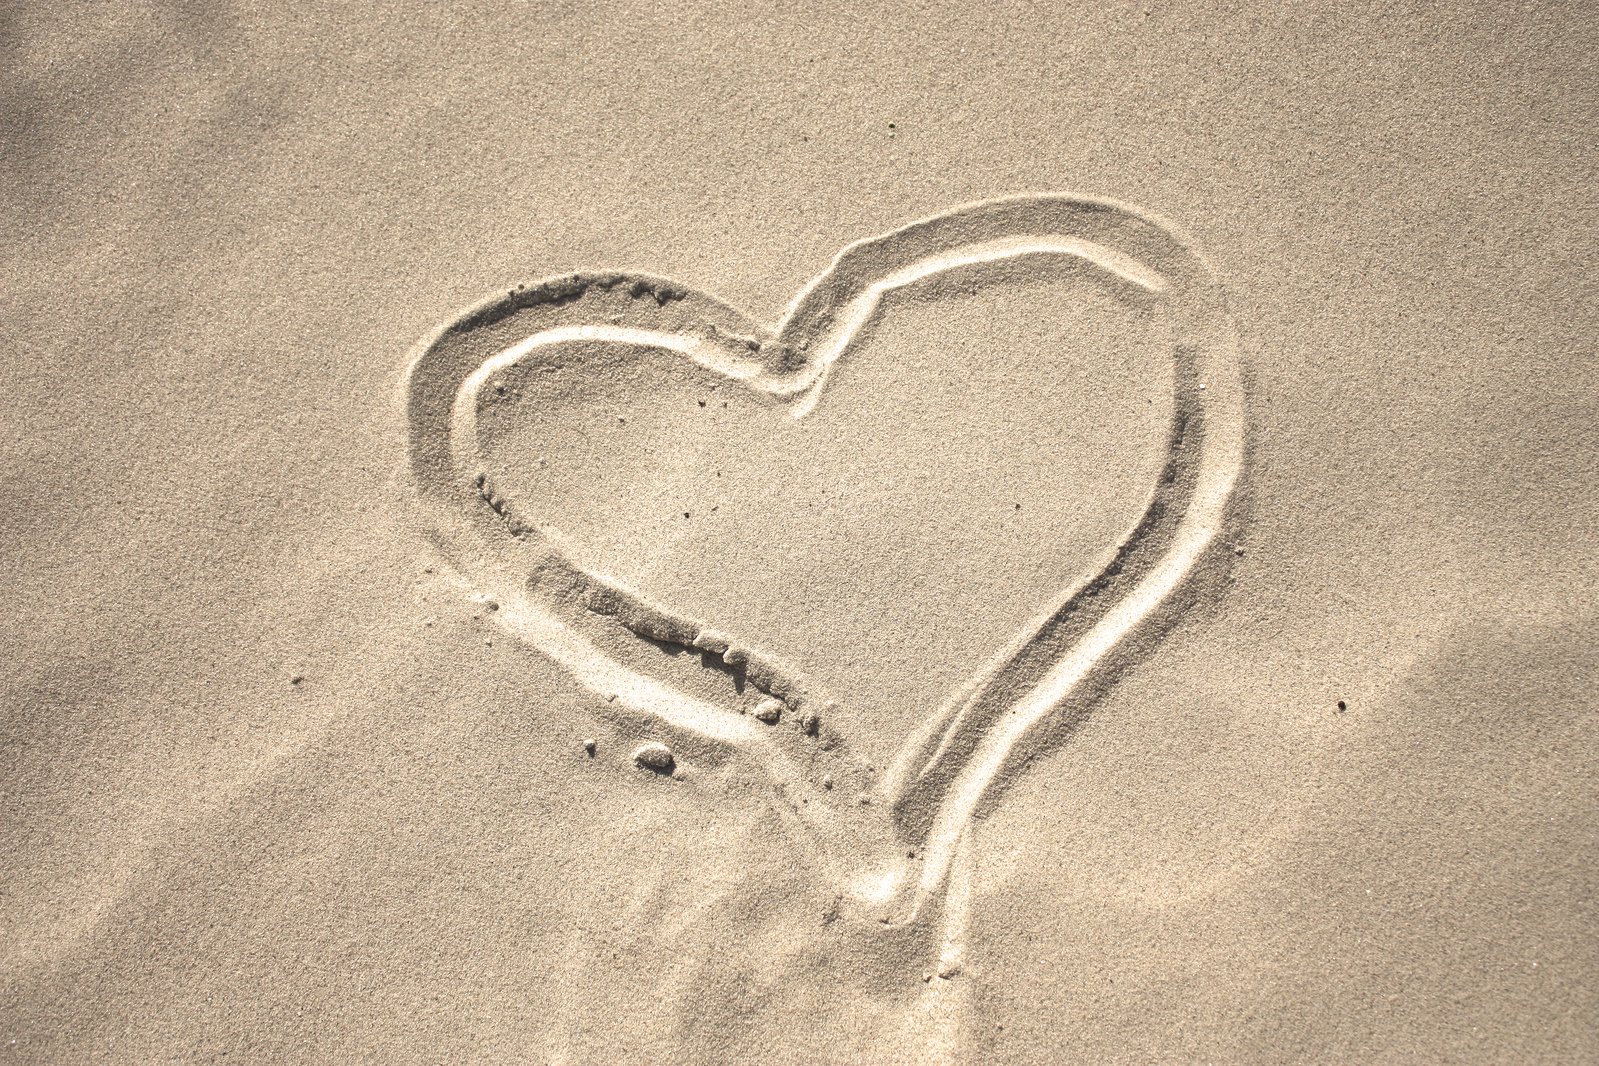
(810, 723)
(657, 757)
(827, 780)
(589, 746)
(769, 711)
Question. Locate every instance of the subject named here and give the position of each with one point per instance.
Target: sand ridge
(888, 840)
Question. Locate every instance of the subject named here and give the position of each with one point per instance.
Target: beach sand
(958, 682)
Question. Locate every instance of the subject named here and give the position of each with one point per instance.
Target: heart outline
(1058, 665)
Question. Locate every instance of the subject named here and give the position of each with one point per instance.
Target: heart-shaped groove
(887, 843)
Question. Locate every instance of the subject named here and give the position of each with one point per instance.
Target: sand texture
(642, 533)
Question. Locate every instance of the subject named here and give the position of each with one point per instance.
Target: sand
(933, 535)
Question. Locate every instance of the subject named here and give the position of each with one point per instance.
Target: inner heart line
(888, 843)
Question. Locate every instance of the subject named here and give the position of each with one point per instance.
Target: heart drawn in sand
(712, 693)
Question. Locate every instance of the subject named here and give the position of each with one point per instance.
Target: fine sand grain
(659, 533)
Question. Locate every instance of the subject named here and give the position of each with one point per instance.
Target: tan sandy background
(224, 228)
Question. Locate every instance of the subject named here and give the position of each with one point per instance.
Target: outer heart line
(1050, 674)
